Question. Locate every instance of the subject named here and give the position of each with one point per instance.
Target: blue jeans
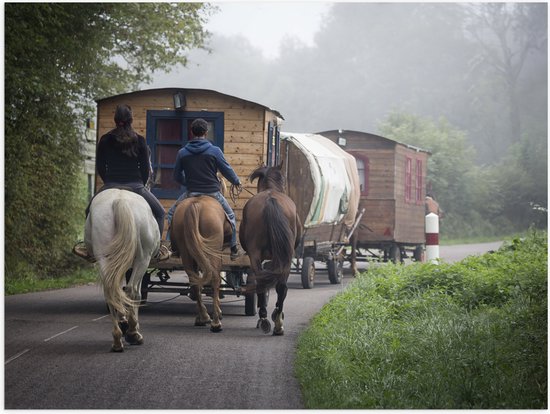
(218, 196)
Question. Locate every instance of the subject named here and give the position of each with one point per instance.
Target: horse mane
(269, 178)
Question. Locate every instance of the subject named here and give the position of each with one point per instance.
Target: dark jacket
(114, 166)
(197, 165)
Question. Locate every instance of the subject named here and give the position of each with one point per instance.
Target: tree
(507, 33)
(452, 175)
(58, 57)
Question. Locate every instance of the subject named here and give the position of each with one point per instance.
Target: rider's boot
(236, 252)
(164, 251)
(80, 250)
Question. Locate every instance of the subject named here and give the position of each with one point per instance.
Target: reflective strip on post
(432, 238)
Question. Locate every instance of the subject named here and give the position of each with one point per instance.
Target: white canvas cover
(335, 177)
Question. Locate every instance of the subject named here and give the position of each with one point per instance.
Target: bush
(468, 335)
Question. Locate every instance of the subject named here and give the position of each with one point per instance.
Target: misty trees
(477, 200)
(482, 67)
(451, 171)
(58, 57)
(507, 33)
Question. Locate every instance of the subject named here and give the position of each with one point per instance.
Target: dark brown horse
(270, 230)
(198, 232)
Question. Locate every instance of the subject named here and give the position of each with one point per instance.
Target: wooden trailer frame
(321, 241)
(246, 131)
(393, 190)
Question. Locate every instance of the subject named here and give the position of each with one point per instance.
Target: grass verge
(33, 284)
(471, 335)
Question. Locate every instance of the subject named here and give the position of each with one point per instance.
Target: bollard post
(432, 238)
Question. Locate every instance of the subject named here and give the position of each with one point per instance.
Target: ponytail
(124, 133)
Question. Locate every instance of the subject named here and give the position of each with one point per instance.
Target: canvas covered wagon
(393, 188)
(247, 133)
(323, 182)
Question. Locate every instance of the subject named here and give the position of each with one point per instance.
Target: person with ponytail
(122, 161)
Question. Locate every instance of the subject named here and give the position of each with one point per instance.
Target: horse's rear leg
(202, 314)
(132, 335)
(278, 316)
(118, 325)
(263, 323)
(216, 324)
(256, 267)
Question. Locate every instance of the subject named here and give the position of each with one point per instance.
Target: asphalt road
(57, 351)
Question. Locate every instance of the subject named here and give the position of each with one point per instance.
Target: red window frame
(408, 179)
(419, 182)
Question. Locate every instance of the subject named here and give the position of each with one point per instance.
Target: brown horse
(270, 230)
(198, 232)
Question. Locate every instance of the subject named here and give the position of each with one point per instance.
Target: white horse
(122, 234)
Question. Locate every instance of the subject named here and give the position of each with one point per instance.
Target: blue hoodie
(197, 165)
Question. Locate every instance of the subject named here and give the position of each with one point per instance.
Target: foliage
(468, 335)
(506, 34)
(58, 57)
(451, 156)
(29, 284)
(487, 200)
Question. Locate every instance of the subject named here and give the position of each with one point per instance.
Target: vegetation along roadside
(468, 335)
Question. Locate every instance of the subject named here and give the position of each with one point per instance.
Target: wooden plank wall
(245, 128)
(409, 215)
(387, 216)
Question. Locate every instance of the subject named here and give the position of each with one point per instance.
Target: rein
(236, 190)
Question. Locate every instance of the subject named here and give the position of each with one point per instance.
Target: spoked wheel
(395, 253)
(308, 273)
(418, 254)
(335, 270)
(144, 287)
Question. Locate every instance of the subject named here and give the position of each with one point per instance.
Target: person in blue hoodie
(197, 165)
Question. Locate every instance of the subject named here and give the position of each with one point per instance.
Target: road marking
(97, 319)
(60, 333)
(13, 358)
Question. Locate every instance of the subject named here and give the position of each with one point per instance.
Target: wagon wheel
(308, 273)
(395, 253)
(144, 287)
(335, 270)
(418, 254)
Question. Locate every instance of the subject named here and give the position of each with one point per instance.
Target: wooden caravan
(393, 189)
(322, 181)
(247, 132)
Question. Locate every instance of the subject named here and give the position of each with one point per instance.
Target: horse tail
(122, 251)
(281, 240)
(199, 247)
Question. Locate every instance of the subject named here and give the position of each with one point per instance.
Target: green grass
(32, 284)
(471, 335)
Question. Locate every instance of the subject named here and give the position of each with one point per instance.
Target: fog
(483, 67)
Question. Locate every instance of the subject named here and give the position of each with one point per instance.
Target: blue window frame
(167, 133)
(273, 145)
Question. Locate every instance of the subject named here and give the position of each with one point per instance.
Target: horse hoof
(265, 325)
(200, 322)
(135, 339)
(117, 349)
(216, 328)
(278, 332)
